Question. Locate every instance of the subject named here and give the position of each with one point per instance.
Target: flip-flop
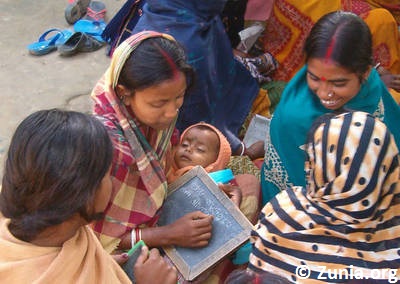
(96, 11)
(66, 34)
(93, 28)
(49, 41)
(75, 10)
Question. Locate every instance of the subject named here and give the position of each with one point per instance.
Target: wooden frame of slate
(194, 191)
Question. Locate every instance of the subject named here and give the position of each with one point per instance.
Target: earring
(177, 110)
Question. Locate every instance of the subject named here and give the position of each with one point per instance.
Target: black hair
(154, 61)
(54, 166)
(344, 38)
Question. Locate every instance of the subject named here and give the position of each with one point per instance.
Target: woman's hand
(191, 230)
(120, 258)
(152, 268)
(233, 192)
(391, 80)
(125, 242)
(255, 151)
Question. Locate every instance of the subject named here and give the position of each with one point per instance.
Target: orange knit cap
(225, 151)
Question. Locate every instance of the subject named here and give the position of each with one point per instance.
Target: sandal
(79, 42)
(75, 10)
(93, 28)
(49, 41)
(96, 11)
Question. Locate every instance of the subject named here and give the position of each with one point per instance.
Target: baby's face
(199, 147)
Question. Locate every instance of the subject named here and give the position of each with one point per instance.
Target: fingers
(154, 254)
(197, 215)
(120, 258)
(202, 228)
(154, 269)
(144, 255)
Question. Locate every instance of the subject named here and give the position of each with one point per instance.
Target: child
(200, 145)
(204, 145)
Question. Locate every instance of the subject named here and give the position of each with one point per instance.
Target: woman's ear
(366, 74)
(123, 93)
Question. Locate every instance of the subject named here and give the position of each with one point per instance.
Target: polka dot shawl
(347, 218)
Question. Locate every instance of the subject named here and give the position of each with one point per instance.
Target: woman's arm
(191, 230)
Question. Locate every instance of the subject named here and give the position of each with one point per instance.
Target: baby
(203, 145)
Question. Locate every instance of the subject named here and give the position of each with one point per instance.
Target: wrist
(136, 235)
(240, 150)
(243, 149)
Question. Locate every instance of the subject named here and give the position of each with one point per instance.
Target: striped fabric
(348, 215)
(140, 155)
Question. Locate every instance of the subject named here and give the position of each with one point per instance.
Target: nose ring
(330, 95)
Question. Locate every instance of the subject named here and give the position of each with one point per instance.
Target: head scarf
(220, 163)
(347, 217)
(139, 182)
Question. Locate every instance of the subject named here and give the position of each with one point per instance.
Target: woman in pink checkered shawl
(138, 99)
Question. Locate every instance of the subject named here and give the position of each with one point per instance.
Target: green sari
(284, 159)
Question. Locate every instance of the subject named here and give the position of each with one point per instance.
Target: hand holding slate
(234, 193)
(150, 267)
(192, 230)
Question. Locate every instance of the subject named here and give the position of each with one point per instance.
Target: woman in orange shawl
(56, 180)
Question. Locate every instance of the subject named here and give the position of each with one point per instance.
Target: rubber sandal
(79, 42)
(96, 11)
(93, 28)
(66, 34)
(49, 41)
(75, 10)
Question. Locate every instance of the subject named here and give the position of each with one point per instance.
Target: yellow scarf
(81, 259)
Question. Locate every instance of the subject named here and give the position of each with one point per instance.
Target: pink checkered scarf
(140, 155)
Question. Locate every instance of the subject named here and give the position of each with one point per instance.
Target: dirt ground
(29, 83)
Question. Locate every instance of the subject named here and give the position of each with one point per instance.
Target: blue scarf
(284, 160)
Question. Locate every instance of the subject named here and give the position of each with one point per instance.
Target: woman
(138, 99)
(344, 224)
(338, 74)
(57, 180)
(291, 22)
(224, 89)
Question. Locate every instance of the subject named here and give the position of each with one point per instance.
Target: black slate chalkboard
(197, 191)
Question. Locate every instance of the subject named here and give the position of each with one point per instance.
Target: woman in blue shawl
(224, 90)
(338, 74)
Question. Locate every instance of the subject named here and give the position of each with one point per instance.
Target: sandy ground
(29, 83)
